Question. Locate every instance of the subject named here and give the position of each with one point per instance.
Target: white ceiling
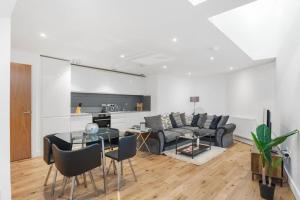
(97, 32)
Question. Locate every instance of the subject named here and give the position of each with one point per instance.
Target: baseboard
(293, 186)
(242, 139)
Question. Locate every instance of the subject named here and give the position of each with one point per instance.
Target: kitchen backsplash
(92, 102)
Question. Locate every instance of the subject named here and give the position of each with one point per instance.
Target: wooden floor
(159, 177)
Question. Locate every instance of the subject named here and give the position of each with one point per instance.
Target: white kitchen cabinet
(56, 87)
(87, 80)
(55, 96)
(79, 121)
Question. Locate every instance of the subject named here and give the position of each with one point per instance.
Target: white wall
(249, 92)
(97, 81)
(33, 59)
(288, 86)
(172, 94)
(5, 187)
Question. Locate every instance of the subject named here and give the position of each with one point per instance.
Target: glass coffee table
(193, 149)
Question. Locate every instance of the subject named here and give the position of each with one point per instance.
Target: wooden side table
(256, 166)
(141, 135)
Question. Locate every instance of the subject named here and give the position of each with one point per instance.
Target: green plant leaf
(257, 142)
(263, 133)
(280, 139)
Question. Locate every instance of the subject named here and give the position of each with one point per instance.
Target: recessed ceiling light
(165, 66)
(43, 35)
(231, 68)
(174, 39)
(196, 2)
(212, 58)
(189, 73)
(122, 56)
(216, 48)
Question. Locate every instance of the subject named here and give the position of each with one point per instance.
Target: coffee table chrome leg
(176, 143)
(192, 149)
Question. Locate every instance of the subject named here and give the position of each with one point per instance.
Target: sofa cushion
(154, 122)
(191, 128)
(171, 135)
(223, 121)
(202, 120)
(182, 117)
(215, 122)
(188, 120)
(182, 131)
(206, 131)
(208, 121)
(166, 122)
(172, 121)
(195, 120)
(177, 120)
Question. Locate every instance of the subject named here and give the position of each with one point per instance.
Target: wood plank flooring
(226, 177)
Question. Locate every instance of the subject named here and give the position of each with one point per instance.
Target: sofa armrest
(228, 128)
(159, 136)
(222, 133)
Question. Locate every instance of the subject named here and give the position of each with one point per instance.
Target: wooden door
(20, 111)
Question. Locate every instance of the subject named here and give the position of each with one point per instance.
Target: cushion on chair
(223, 121)
(206, 130)
(215, 122)
(202, 120)
(112, 154)
(154, 122)
(177, 119)
(208, 121)
(188, 120)
(183, 119)
(166, 122)
(195, 120)
(171, 135)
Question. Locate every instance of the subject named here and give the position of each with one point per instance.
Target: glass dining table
(106, 137)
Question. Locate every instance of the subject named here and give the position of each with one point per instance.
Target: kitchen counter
(80, 114)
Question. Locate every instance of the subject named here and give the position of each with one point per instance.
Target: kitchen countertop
(80, 114)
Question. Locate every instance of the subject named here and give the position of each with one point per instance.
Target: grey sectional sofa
(165, 139)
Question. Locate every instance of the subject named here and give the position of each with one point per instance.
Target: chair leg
(104, 177)
(122, 173)
(65, 181)
(93, 182)
(119, 174)
(84, 180)
(72, 188)
(109, 167)
(48, 174)
(115, 167)
(53, 183)
(132, 170)
(77, 181)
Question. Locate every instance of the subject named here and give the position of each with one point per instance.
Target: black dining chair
(126, 150)
(74, 163)
(48, 155)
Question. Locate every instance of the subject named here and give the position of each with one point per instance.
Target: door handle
(27, 112)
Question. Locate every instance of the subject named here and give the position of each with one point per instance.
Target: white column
(5, 186)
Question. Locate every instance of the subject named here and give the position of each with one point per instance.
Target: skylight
(196, 2)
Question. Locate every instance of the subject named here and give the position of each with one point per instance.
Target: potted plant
(264, 143)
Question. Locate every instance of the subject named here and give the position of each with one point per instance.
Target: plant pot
(267, 192)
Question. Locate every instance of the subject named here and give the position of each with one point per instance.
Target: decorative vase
(91, 128)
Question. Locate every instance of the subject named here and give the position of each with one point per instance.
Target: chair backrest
(74, 163)
(127, 147)
(48, 141)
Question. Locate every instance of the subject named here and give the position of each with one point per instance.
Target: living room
(146, 71)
